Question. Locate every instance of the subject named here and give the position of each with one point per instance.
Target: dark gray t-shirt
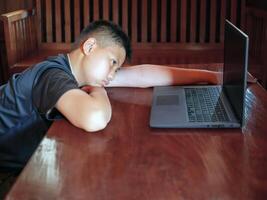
(52, 84)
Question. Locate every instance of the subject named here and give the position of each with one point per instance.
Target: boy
(28, 100)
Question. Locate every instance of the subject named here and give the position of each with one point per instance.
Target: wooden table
(129, 160)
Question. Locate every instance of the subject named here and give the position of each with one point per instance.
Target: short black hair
(105, 32)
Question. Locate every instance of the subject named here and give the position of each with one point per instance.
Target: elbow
(95, 121)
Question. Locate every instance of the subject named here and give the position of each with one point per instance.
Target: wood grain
(129, 160)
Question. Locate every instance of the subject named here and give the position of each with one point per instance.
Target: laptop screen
(235, 67)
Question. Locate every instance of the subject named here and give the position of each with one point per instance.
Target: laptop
(210, 106)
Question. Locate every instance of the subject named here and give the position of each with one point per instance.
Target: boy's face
(101, 64)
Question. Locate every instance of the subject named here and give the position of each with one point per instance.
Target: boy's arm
(148, 75)
(90, 112)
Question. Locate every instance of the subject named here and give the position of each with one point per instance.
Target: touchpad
(163, 100)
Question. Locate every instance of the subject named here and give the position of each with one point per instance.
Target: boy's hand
(217, 78)
(251, 79)
(87, 88)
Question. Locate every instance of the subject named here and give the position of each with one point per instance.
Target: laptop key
(205, 105)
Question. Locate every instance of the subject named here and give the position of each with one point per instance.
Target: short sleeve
(52, 84)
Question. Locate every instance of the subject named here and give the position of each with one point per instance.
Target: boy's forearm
(194, 76)
(157, 75)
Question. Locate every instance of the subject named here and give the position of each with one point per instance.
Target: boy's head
(104, 48)
(106, 34)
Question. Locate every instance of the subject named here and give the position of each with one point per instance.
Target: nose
(111, 75)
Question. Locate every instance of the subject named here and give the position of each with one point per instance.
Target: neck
(75, 58)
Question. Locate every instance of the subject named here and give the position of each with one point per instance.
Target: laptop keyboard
(205, 105)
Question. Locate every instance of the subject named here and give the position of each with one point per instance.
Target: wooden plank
(193, 12)
(249, 25)
(34, 33)
(86, 10)
(17, 15)
(261, 40)
(20, 38)
(48, 16)
(17, 41)
(24, 37)
(203, 8)
(264, 77)
(58, 21)
(65, 47)
(77, 24)
(38, 22)
(144, 21)
(163, 21)
(115, 11)
(259, 37)
(233, 11)
(125, 16)
(67, 21)
(212, 21)
(243, 14)
(29, 34)
(12, 41)
(154, 15)
(175, 46)
(183, 21)
(106, 9)
(96, 10)
(134, 21)
(173, 20)
(17, 50)
(222, 21)
(8, 32)
(252, 35)
(264, 39)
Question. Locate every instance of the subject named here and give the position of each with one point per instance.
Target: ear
(89, 45)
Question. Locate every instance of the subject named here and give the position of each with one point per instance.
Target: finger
(250, 78)
(87, 88)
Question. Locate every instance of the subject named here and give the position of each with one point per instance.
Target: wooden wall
(147, 22)
(11, 5)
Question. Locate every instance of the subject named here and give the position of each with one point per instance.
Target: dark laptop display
(234, 80)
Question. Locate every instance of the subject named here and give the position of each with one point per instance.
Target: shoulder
(56, 76)
(56, 73)
(52, 84)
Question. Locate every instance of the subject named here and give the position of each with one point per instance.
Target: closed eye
(114, 62)
(117, 69)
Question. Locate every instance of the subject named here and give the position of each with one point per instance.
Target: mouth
(105, 82)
